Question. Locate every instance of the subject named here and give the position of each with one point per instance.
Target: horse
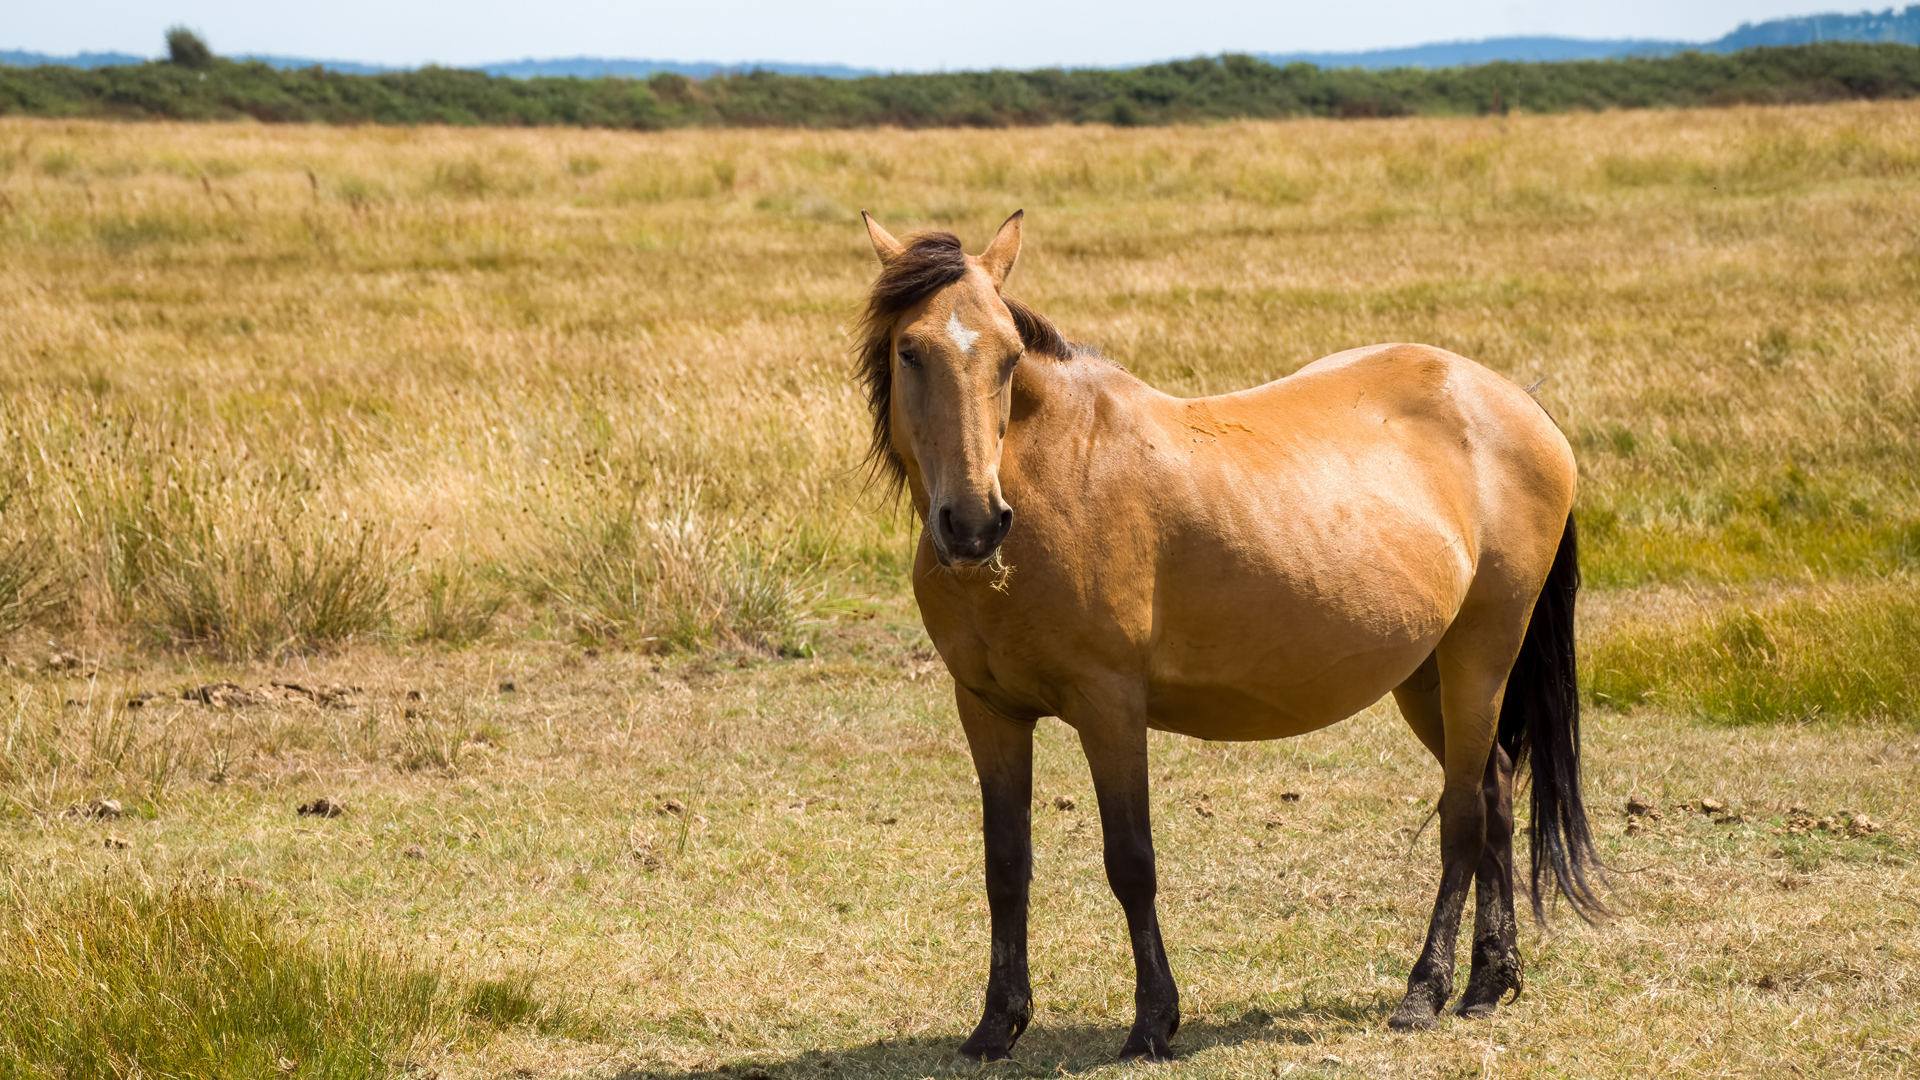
(1255, 565)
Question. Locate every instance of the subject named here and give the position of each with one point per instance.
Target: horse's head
(940, 347)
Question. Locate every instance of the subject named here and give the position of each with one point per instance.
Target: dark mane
(930, 261)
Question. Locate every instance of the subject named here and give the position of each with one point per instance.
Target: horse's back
(1466, 433)
(1332, 526)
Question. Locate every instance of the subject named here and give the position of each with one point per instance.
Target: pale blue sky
(919, 35)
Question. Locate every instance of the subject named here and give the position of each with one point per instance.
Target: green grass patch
(1840, 653)
(111, 982)
(512, 1001)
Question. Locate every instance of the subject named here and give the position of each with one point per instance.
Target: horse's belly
(1264, 653)
(1229, 713)
(1287, 688)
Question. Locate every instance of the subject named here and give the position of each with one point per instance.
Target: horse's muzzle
(961, 539)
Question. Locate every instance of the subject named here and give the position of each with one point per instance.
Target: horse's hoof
(1483, 1010)
(979, 1056)
(1146, 1050)
(1414, 1014)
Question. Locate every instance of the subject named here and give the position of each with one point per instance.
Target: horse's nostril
(946, 522)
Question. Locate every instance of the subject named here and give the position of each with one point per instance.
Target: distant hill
(1519, 50)
(89, 60)
(580, 67)
(593, 67)
(1898, 29)
(1889, 26)
(1901, 28)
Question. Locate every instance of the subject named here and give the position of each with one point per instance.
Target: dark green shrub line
(1227, 87)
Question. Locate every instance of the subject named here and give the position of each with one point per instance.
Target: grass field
(424, 412)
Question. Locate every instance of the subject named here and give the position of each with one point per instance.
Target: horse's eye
(907, 359)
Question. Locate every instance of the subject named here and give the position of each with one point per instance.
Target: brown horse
(1250, 566)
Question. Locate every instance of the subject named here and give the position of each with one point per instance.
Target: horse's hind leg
(1496, 954)
(1472, 671)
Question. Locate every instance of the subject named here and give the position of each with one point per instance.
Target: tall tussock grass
(113, 981)
(241, 559)
(262, 593)
(29, 584)
(457, 604)
(661, 571)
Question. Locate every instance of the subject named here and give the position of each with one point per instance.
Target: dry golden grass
(475, 344)
(269, 391)
(777, 866)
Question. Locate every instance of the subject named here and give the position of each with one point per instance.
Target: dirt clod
(1712, 806)
(1289, 796)
(1639, 807)
(1063, 802)
(63, 661)
(330, 697)
(1862, 825)
(415, 852)
(221, 695)
(326, 808)
(508, 687)
(114, 843)
(671, 807)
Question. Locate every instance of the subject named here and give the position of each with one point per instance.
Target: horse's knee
(1131, 873)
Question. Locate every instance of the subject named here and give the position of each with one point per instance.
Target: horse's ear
(884, 245)
(998, 259)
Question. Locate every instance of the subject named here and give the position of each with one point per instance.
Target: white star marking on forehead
(958, 331)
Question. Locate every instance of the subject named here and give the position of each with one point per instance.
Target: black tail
(1541, 714)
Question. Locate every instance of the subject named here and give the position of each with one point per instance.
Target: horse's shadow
(1045, 1050)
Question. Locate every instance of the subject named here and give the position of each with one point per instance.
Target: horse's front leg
(1116, 748)
(1003, 755)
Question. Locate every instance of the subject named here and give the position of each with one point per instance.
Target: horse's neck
(1060, 405)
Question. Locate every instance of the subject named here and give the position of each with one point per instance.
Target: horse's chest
(1004, 659)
